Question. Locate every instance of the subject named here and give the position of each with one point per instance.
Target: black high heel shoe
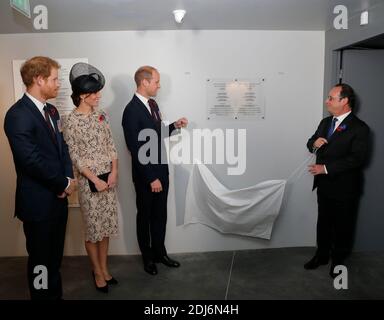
(101, 289)
(112, 281)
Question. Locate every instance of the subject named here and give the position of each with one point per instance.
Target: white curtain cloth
(250, 211)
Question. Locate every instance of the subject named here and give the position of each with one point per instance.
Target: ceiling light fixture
(179, 15)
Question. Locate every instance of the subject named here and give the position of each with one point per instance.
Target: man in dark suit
(44, 175)
(341, 145)
(142, 115)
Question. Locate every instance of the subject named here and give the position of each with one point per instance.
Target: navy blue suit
(338, 192)
(151, 207)
(42, 165)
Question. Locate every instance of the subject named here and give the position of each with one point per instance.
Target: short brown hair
(37, 66)
(347, 92)
(142, 73)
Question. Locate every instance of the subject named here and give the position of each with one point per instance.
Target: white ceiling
(108, 15)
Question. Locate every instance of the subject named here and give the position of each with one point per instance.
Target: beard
(50, 93)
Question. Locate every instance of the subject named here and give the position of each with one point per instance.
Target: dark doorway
(363, 68)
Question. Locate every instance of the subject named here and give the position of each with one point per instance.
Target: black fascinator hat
(85, 78)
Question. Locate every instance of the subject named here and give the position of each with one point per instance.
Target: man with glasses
(341, 144)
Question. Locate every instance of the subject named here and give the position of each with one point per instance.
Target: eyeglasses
(330, 98)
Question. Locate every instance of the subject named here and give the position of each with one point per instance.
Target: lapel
(38, 116)
(325, 127)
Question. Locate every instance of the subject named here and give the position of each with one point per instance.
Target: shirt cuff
(69, 183)
(325, 169)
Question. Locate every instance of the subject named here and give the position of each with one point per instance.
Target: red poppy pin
(341, 128)
(52, 111)
(101, 118)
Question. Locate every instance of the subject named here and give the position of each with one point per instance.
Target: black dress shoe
(315, 262)
(150, 268)
(101, 289)
(168, 262)
(332, 272)
(111, 281)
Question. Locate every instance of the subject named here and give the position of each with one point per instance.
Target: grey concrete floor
(232, 275)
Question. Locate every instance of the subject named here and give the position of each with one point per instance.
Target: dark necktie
(154, 110)
(48, 121)
(331, 128)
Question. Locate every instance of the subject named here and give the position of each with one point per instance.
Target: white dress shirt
(340, 119)
(144, 100)
(40, 105)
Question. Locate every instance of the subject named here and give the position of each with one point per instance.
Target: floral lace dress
(91, 145)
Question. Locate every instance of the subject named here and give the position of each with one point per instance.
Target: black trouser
(335, 226)
(45, 246)
(151, 220)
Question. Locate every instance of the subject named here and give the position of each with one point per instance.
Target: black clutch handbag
(103, 177)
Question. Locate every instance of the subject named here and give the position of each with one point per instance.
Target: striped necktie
(154, 110)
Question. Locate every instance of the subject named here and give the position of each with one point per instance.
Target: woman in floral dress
(93, 153)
